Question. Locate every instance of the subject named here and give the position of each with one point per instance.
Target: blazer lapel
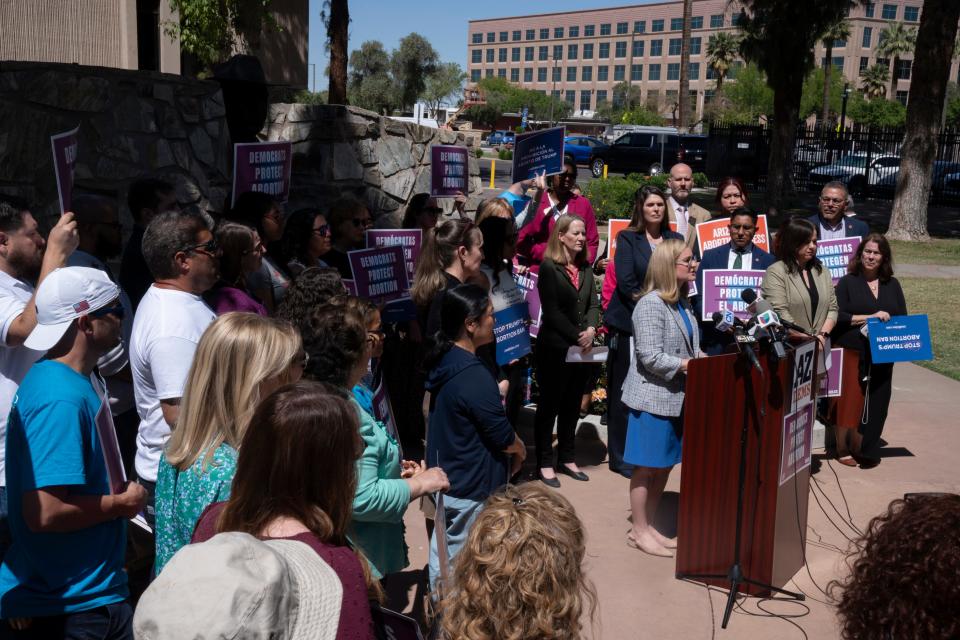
(796, 279)
(675, 311)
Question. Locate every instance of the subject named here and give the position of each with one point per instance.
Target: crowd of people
(237, 380)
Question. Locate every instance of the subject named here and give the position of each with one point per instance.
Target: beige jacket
(695, 215)
(789, 297)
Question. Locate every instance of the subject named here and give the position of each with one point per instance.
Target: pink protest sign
(722, 289)
(795, 443)
(263, 167)
(835, 255)
(64, 160)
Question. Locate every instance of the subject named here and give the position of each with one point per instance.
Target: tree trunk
(893, 78)
(720, 80)
(937, 31)
(684, 101)
(827, 68)
(337, 32)
(783, 134)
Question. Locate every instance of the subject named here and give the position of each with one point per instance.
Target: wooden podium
(724, 393)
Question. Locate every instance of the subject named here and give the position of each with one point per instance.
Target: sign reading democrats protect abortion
(264, 167)
(379, 274)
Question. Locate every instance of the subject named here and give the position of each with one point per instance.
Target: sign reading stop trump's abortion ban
(263, 167)
(379, 274)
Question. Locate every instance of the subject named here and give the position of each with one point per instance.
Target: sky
(444, 24)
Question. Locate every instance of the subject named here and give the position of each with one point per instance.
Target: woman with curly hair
(314, 287)
(903, 584)
(520, 575)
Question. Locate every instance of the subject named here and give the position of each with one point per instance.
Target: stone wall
(132, 123)
(339, 149)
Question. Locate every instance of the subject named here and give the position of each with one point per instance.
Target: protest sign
(107, 436)
(379, 274)
(351, 287)
(900, 339)
(396, 626)
(795, 443)
(383, 410)
(448, 171)
(511, 334)
(716, 233)
(722, 289)
(409, 239)
(537, 152)
(835, 255)
(831, 384)
(399, 310)
(802, 376)
(263, 167)
(528, 284)
(614, 227)
(64, 160)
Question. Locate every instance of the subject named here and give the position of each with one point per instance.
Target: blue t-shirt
(52, 442)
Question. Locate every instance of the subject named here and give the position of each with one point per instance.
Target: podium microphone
(766, 318)
(750, 297)
(725, 321)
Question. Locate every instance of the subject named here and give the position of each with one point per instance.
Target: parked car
(943, 174)
(643, 152)
(501, 138)
(853, 171)
(820, 153)
(581, 148)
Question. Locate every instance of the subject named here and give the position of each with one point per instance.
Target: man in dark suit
(830, 222)
(739, 253)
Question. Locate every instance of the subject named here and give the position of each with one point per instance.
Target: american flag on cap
(81, 306)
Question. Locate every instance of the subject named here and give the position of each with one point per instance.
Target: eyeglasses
(211, 247)
(567, 176)
(322, 230)
(115, 310)
(688, 261)
(826, 200)
(366, 223)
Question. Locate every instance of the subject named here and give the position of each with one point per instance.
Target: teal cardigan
(381, 500)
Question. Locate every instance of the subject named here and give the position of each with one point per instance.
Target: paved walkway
(639, 596)
(927, 271)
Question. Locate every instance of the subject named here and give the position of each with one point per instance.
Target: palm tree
(838, 31)
(338, 17)
(873, 80)
(895, 40)
(722, 50)
(684, 93)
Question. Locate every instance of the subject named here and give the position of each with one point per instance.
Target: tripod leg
(795, 596)
(731, 598)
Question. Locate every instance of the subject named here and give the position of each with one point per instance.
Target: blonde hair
(519, 575)
(236, 353)
(493, 208)
(662, 272)
(555, 249)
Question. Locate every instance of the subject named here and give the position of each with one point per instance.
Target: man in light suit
(684, 213)
(830, 222)
(739, 253)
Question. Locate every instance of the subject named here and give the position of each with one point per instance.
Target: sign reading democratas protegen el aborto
(900, 339)
(263, 167)
(835, 255)
(722, 289)
(538, 152)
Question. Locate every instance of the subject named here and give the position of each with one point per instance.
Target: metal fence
(867, 159)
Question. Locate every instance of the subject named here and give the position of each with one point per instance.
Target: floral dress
(183, 495)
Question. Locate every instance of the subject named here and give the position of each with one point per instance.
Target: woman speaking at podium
(666, 339)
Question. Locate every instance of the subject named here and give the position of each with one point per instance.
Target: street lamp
(843, 106)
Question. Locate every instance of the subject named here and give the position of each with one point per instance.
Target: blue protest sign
(510, 332)
(900, 339)
(536, 152)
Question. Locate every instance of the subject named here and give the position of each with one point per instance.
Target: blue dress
(655, 441)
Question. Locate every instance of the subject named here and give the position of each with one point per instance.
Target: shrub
(505, 154)
(612, 198)
(701, 180)
(477, 152)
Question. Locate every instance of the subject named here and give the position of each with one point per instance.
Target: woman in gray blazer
(666, 339)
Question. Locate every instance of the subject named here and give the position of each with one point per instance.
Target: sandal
(847, 460)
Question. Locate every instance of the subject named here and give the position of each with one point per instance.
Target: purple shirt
(223, 298)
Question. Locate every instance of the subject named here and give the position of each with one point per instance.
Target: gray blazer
(655, 383)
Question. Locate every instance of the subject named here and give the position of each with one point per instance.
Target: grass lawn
(939, 251)
(940, 299)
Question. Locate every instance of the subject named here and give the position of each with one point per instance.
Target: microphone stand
(735, 574)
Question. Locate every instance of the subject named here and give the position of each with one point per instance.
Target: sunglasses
(211, 247)
(322, 230)
(115, 310)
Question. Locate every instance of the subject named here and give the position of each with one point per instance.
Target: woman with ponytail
(469, 435)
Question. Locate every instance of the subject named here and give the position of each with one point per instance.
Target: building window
(588, 31)
(531, 34)
(528, 75)
(911, 14)
(673, 71)
(570, 96)
(574, 32)
(639, 26)
(902, 72)
(502, 54)
(864, 63)
(605, 29)
(619, 73)
(738, 18)
(638, 48)
(839, 44)
(502, 73)
(621, 49)
(656, 47)
(867, 36)
(588, 51)
(716, 21)
(869, 9)
(515, 35)
(503, 36)
(653, 98)
(477, 38)
(514, 75)
(694, 70)
(696, 22)
(528, 54)
(585, 100)
(657, 26)
(571, 74)
(708, 95)
(557, 74)
(515, 54)
(653, 72)
(836, 62)
(557, 51)
(889, 12)
(603, 73)
(555, 93)
(601, 96)
(491, 37)
(490, 55)
(489, 73)
(902, 97)
(618, 97)
(636, 72)
(695, 44)
(558, 32)
(622, 28)
(544, 34)
(711, 74)
(676, 24)
(604, 50)
(586, 74)
(542, 74)
(475, 75)
(543, 53)
(476, 56)
(674, 46)
(572, 51)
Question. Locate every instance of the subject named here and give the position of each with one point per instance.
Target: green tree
(212, 30)
(750, 96)
(837, 31)
(446, 82)
(625, 96)
(722, 50)
(369, 83)
(895, 40)
(643, 116)
(873, 80)
(877, 112)
(411, 63)
(811, 101)
(779, 37)
(502, 97)
(952, 119)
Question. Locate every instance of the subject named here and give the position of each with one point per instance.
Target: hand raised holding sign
(61, 242)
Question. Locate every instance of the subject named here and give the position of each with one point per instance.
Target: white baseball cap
(64, 295)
